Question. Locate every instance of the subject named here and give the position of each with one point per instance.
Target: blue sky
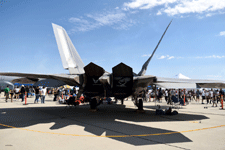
(109, 32)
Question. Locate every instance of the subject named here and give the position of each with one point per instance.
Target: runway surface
(54, 126)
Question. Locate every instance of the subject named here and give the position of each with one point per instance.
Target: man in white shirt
(17, 90)
(43, 94)
(166, 95)
(211, 95)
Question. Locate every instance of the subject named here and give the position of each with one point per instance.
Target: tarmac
(55, 126)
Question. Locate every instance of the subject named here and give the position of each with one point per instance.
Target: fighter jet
(93, 80)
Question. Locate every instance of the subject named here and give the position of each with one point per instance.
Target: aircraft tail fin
(145, 65)
(69, 55)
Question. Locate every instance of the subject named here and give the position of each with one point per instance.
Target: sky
(109, 32)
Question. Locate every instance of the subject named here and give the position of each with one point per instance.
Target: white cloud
(159, 13)
(117, 8)
(166, 56)
(78, 20)
(222, 33)
(213, 56)
(179, 7)
(171, 57)
(115, 19)
(162, 57)
(146, 4)
(209, 15)
(107, 19)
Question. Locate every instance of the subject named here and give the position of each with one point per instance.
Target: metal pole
(222, 101)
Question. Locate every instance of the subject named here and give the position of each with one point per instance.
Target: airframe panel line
(114, 135)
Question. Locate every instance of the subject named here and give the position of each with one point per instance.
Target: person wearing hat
(22, 91)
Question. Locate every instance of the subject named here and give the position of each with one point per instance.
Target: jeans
(43, 99)
(22, 96)
(36, 98)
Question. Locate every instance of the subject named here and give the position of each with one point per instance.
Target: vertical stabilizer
(145, 65)
(69, 55)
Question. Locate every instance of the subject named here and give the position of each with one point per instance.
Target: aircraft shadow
(97, 123)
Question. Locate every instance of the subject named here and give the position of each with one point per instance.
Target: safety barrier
(221, 101)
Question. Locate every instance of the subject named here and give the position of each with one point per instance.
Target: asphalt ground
(115, 126)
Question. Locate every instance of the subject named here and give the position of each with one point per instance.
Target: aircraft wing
(188, 83)
(144, 81)
(68, 79)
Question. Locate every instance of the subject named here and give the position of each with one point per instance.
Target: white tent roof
(181, 76)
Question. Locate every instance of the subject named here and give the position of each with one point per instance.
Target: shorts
(203, 97)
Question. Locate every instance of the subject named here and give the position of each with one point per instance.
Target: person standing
(6, 93)
(43, 94)
(166, 95)
(221, 94)
(169, 97)
(203, 95)
(11, 94)
(160, 95)
(37, 92)
(218, 96)
(197, 95)
(22, 91)
(211, 95)
(17, 90)
(55, 92)
(214, 98)
(27, 90)
(207, 96)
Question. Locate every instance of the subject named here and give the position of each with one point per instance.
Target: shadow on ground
(99, 122)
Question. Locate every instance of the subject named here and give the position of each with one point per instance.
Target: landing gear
(140, 106)
(93, 105)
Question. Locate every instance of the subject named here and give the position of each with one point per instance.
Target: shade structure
(49, 83)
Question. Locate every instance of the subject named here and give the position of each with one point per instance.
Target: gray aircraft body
(6, 81)
(93, 80)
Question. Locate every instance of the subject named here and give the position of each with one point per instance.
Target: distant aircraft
(4, 84)
(6, 81)
(93, 80)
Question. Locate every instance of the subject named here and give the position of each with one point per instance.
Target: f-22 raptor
(93, 80)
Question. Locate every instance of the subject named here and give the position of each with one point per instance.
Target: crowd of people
(39, 93)
(211, 96)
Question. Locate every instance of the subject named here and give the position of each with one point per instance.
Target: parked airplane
(93, 80)
(6, 81)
